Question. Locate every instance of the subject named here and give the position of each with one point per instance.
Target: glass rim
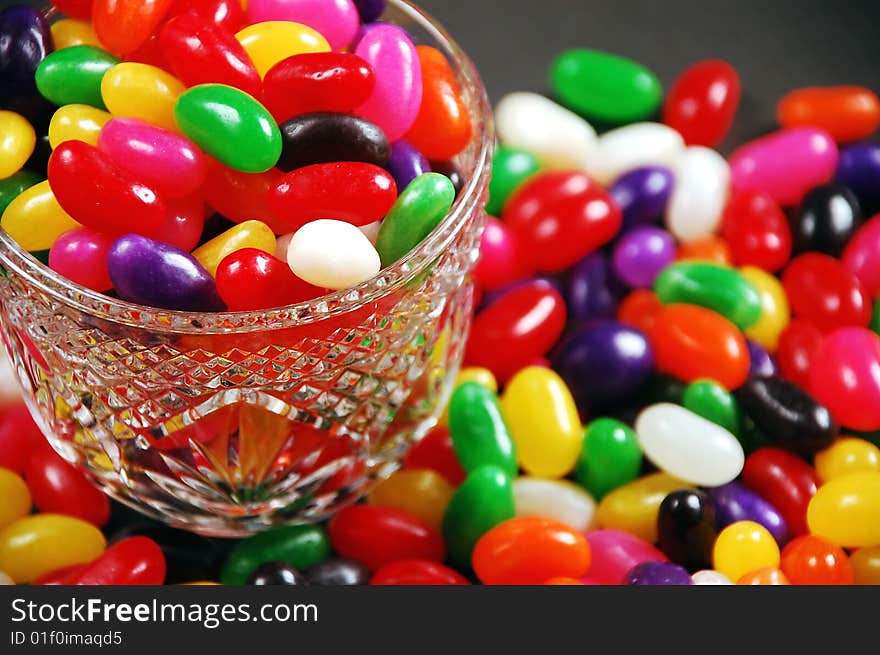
(386, 281)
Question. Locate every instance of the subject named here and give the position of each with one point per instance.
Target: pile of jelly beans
(197, 155)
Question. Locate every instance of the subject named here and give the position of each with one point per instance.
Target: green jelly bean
(605, 87)
(301, 546)
(14, 186)
(710, 400)
(510, 168)
(417, 211)
(230, 125)
(483, 500)
(715, 287)
(479, 434)
(875, 314)
(73, 75)
(610, 457)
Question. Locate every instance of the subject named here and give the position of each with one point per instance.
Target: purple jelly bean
(859, 169)
(25, 40)
(156, 274)
(642, 194)
(641, 254)
(406, 163)
(658, 574)
(590, 290)
(762, 364)
(604, 363)
(735, 502)
(370, 10)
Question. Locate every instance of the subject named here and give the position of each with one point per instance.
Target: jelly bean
(605, 87)
(688, 446)
(276, 573)
(614, 553)
(19, 437)
(141, 91)
(774, 308)
(481, 376)
(76, 8)
(16, 498)
(591, 290)
(641, 254)
(301, 546)
(761, 364)
(657, 573)
(742, 547)
(81, 256)
(421, 492)
(528, 551)
(228, 14)
(502, 261)
(370, 10)
(710, 577)
(757, 231)
(417, 572)
(708, 399)
(701, 104)
(14, 185)
(156, 274)
(332, 254)
(858, 169)
(231, 126)
(124, 26)
(201, 52)
(483, 500)
(132, 561)
(326, 137)
(715, 287)
(828, 217)
(557, 137)
(847, 455)
(634, 506)
(77, 123)
(478, 431)
(865, 563)
(702, 179)
(406, 163)
(249, 279)
(510, 168)
(639, 309)
(635, 146)
(338, 571)
(785, 481)
(17, 141)
(713, 250)
(811, 560)
(825, 293)
(846, 510)
(610, 457)
(35, 545)
(35, 219)
(184, 223)
(563, 216)
(558, 500)
(73, 75)
(798, 344)
(250, 234)
(686, 528)
(69, 32)
(435, 452)
(766, 575)
(102, 195)
(862, 254)
(26, 42)
(642, 194)
(692, 342)
(240, 196)
(785, 164)
(734, 502)
(604, 363)
(848, 113)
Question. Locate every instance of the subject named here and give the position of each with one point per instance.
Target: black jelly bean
(324, 137)
(828, 217)
(276, 573)
(686, 528)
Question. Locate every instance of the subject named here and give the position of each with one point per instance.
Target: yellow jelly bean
(269, 42)
(17, 141)
(847, 455)
(141, 91)
(775, 313)
(15, 498)
(35, 219)
(36, 545)
(543, 422)
(250, 234)
(846, 510)
(743, 547)
(634, 507)
(482, 376)
(77, 123)
(69, 32)
(866, 565)
(421, 492)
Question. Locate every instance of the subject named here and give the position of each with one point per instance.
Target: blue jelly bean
(406, 163)
(658, 573)
(735, 502)
(642, 194)
(25, 40)
(641, 254)
(859, 169)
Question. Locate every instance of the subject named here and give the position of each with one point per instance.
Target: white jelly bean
(558, 137)
(687, 446)
(702, 183)
(282, 245)
(332, 254)
(710, 577)
(633, 146)
(5, 579)
(554, 499)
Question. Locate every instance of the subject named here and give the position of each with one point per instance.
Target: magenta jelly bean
(170, 163)
(81, 256)
(641, 254)
(785, 164)
(336, 20)
(397, 96)
(502, 261)
(614, 553)
(861, 257)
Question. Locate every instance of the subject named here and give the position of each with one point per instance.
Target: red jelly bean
(785, 481)
(417, 572)
(124, 25)
(19, 438)
(227, 14)
(812, 560)
(822, 291)
(183, 223)
(101, 195)
(528, 319)
(434, 451)
(529, 551)
(355, 192)
(562, 217)
(150, 53)
(757, 231)
(862, 256)
(692, 342)
(798, 345)
(242, 196)
(59, 488)
(81, 9)
(702, 102)
(315, 82)
(132, 561)
(81, 256)
(503, 259)
(251, 279)
(376, 535)
(202, 52)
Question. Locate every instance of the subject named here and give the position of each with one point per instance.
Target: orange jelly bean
(124, 26)
(812, 560)
(768, 575)
(639, 308)
(710, 249)
(848, 113)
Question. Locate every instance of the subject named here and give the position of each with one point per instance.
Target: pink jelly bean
(336, 20)
(501, 259)
(170, 163)
(862, 256)
(786, 164)
(614, 552)
(184, 223)
(397, 96)
(81, 256)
